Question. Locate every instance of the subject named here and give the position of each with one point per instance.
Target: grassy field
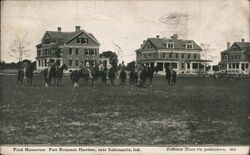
(195, 111)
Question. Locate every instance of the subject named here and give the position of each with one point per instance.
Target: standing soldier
(89, 69)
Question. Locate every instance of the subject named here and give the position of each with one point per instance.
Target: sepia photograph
(125, 73)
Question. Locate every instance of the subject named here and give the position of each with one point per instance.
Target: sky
(126, 23)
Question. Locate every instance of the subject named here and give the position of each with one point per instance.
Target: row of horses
(53, 75)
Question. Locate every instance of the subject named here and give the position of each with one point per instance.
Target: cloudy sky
(126, 23)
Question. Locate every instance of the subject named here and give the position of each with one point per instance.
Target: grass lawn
(195, 111)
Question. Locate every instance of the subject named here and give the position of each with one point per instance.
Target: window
(76, 62)
(82, 40)
(195, 56)
(195, 65)
(149, 46)
(144, 55)
(149, 54)
(164, 55)
(170, 55)
(70, 62)
(183, 65)
(243, 66)
(92, 52)
(155, 55)
(189, 56)
(87, 52)
(189, 46)
(39, 63)
(237, 66)
(70, 50)
(233, 66)
(246, 66)
(230, 66)
(170, 45)
(188, 65)
(182, 55)
(174, 65)
(85, 41)
(177, 55)
(47, 41)
(76, 51)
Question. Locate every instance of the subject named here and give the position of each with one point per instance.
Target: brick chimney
(157, 36)
(59, 29)
(242, 40)
(228, 45)
(78, 28)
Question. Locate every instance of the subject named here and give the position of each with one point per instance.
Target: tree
(206, 52)
(19, 48)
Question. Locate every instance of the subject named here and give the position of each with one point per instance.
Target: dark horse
(56, 73)
(144, 75)
(25, 72)
(111, 75)
(90, 73)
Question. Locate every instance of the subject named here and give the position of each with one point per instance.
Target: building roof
(160, 43)
(244, 46)
(65, 37)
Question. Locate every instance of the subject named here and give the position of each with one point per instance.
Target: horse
(150, 74)
(111, 75)
(29, 74)
(25, 72)
(75, 77)
(55, 73)
(133, 77)
(94, 74)
(91, 73)
(104, 75)
(123, 76)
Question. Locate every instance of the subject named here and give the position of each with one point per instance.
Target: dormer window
(189, 46)
(170, 44)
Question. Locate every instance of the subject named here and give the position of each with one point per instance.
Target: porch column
(198, 67)
(37, 64)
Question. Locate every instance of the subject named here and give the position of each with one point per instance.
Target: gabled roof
(161, 43)
(244, 46)
(68, 36)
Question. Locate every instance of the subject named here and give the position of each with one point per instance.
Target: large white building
(183, 55)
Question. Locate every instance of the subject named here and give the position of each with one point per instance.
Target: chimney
(228, 45)
(242, 40)
(175, 36)
(157, 36)
(78, 28)
(59, 29)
